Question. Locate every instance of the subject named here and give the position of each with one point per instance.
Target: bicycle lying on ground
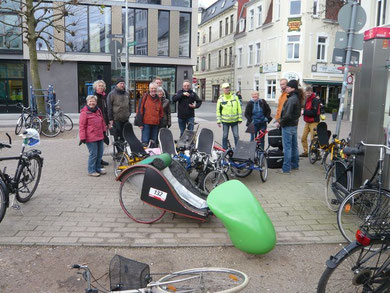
(27, 175)
(130, 276)
(27, 119)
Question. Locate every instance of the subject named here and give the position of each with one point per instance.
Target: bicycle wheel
(51, 127)
(3, 203)
(120, 163)
(213, 179)
(241, 172)
(217, 280)
(338, 184)
(36, 124)
(359, 270)
(28, 178)
(326, 161)
(19, 125)
(68, 123)
(130, 199)
(264, 167)
(358, 208)
(313, 151)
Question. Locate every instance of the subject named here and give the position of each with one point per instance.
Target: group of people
(112, 111)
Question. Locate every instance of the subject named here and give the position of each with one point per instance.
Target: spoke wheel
(36, 124)
(68, 123)
(30, 175)
(314, 153)
(264, 167)
(19, 125)
(326, 161)
(51, 128)
(3, 203)
(213, 179)
(120, 163)
(241, 172)
(130, 199)
(215, 280)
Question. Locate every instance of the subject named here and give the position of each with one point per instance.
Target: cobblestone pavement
(70, 208)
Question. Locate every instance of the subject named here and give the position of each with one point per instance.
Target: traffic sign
(341, 41)
(339, 57)
(345, 15)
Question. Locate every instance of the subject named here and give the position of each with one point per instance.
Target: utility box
(371, 103)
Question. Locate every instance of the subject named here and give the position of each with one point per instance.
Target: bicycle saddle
(249, 227)
(353, 151)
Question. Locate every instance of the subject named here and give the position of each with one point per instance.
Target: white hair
(90, 97)
(96, 83)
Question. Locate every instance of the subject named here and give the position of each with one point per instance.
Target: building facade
(161, 38)
(215, 58)
(291, 39)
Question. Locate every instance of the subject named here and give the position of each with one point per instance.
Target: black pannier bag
(275, 158)
(275, 138)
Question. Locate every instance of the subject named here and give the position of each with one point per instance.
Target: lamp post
(127, 47)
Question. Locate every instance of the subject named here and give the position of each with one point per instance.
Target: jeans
(149, 132)
(186, 123)
(258, 127)
(290, 148)
(225, 133)
(95, 156)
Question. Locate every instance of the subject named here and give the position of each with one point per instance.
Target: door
(215, 92)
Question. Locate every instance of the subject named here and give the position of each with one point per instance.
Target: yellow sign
(294, 24)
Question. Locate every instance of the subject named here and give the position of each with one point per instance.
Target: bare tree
(35, 20)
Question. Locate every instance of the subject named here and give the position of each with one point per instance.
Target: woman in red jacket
(152, 113)
(91, 128)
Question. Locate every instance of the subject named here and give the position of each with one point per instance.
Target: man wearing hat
(118, 108)
(289, 122)
(229, 114)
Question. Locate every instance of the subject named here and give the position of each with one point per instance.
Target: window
(293, 47)
(149, 1)
(250, 55)
(295, 7)
(225, 57)
(138, 30)
(203, 65)
(239, 85)
(209, 61)
(226, 26)
(239, 58)
(315, 7)
(220, 29)
(10, 35)
(230, 55)
(204, 39)
(99, 29)
(198, 39)
(277, 10)
(181, 3)
(321, 49)
(77, 22)
(251, 19)
(231, 23)
(219, 58)
(197, 64)
(256, 85)
(46, 32)
(209, 34)
(271, 89)
(184, 34)
(259, 15)
(381, 12)
(242, 24)
(163, 33)
(258, 53)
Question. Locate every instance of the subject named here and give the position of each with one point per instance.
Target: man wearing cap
(118, 108)
(229, 113)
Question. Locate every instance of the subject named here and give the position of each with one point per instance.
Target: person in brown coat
(152, 113)
(166, 120)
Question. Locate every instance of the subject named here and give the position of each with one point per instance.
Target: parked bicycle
(136, 278)
(25, 181)
(65, 120)
(27, 119)
(51, 125)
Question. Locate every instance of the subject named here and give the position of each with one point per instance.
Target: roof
(217, 8)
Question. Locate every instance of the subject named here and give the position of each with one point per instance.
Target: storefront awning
(324, 82)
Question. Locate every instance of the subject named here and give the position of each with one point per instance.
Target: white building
(291, 39)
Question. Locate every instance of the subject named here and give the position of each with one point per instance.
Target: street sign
(345, 15)
(341, 41)
(116, 53)
(339, 57)
(132, 44)
(116, 36)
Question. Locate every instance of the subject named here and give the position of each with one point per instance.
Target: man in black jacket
(187, 100)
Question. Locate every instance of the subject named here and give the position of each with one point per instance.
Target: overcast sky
(206, 3)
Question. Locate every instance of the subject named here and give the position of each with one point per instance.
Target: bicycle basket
(126, 274)
(376, 214)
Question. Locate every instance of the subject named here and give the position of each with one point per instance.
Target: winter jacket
(184, 111)
(282, 100)
(291, 110)
(118, 105)
(102, 104)
(166, 120)
(249, 110)
(228, 109)
(311, 112)
(91, 125)
(151, 109)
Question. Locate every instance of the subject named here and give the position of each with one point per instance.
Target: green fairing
(249, 227)
(166, 158)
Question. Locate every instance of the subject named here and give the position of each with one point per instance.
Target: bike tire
(335, 177)
(3, 203)
(313, 151)
(68, 123)
(358, 208)
(28, 178)
(263, 164)
(212, 180)
(217, 280)
(130, 199)
(357, 270)
(240, 172)
(36, 124)
(326, 161)
(53, 129)
(19, 125)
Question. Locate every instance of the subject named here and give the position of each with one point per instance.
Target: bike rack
(48, 94)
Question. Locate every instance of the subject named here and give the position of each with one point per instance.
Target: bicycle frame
(12, 183)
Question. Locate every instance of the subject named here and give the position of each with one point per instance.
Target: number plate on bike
(157, 194)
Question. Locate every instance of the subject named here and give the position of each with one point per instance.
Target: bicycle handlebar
(375, 145)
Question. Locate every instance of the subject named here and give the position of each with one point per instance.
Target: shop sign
(323, 68)
(291, 75)
(267, 68)
(294, 24)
